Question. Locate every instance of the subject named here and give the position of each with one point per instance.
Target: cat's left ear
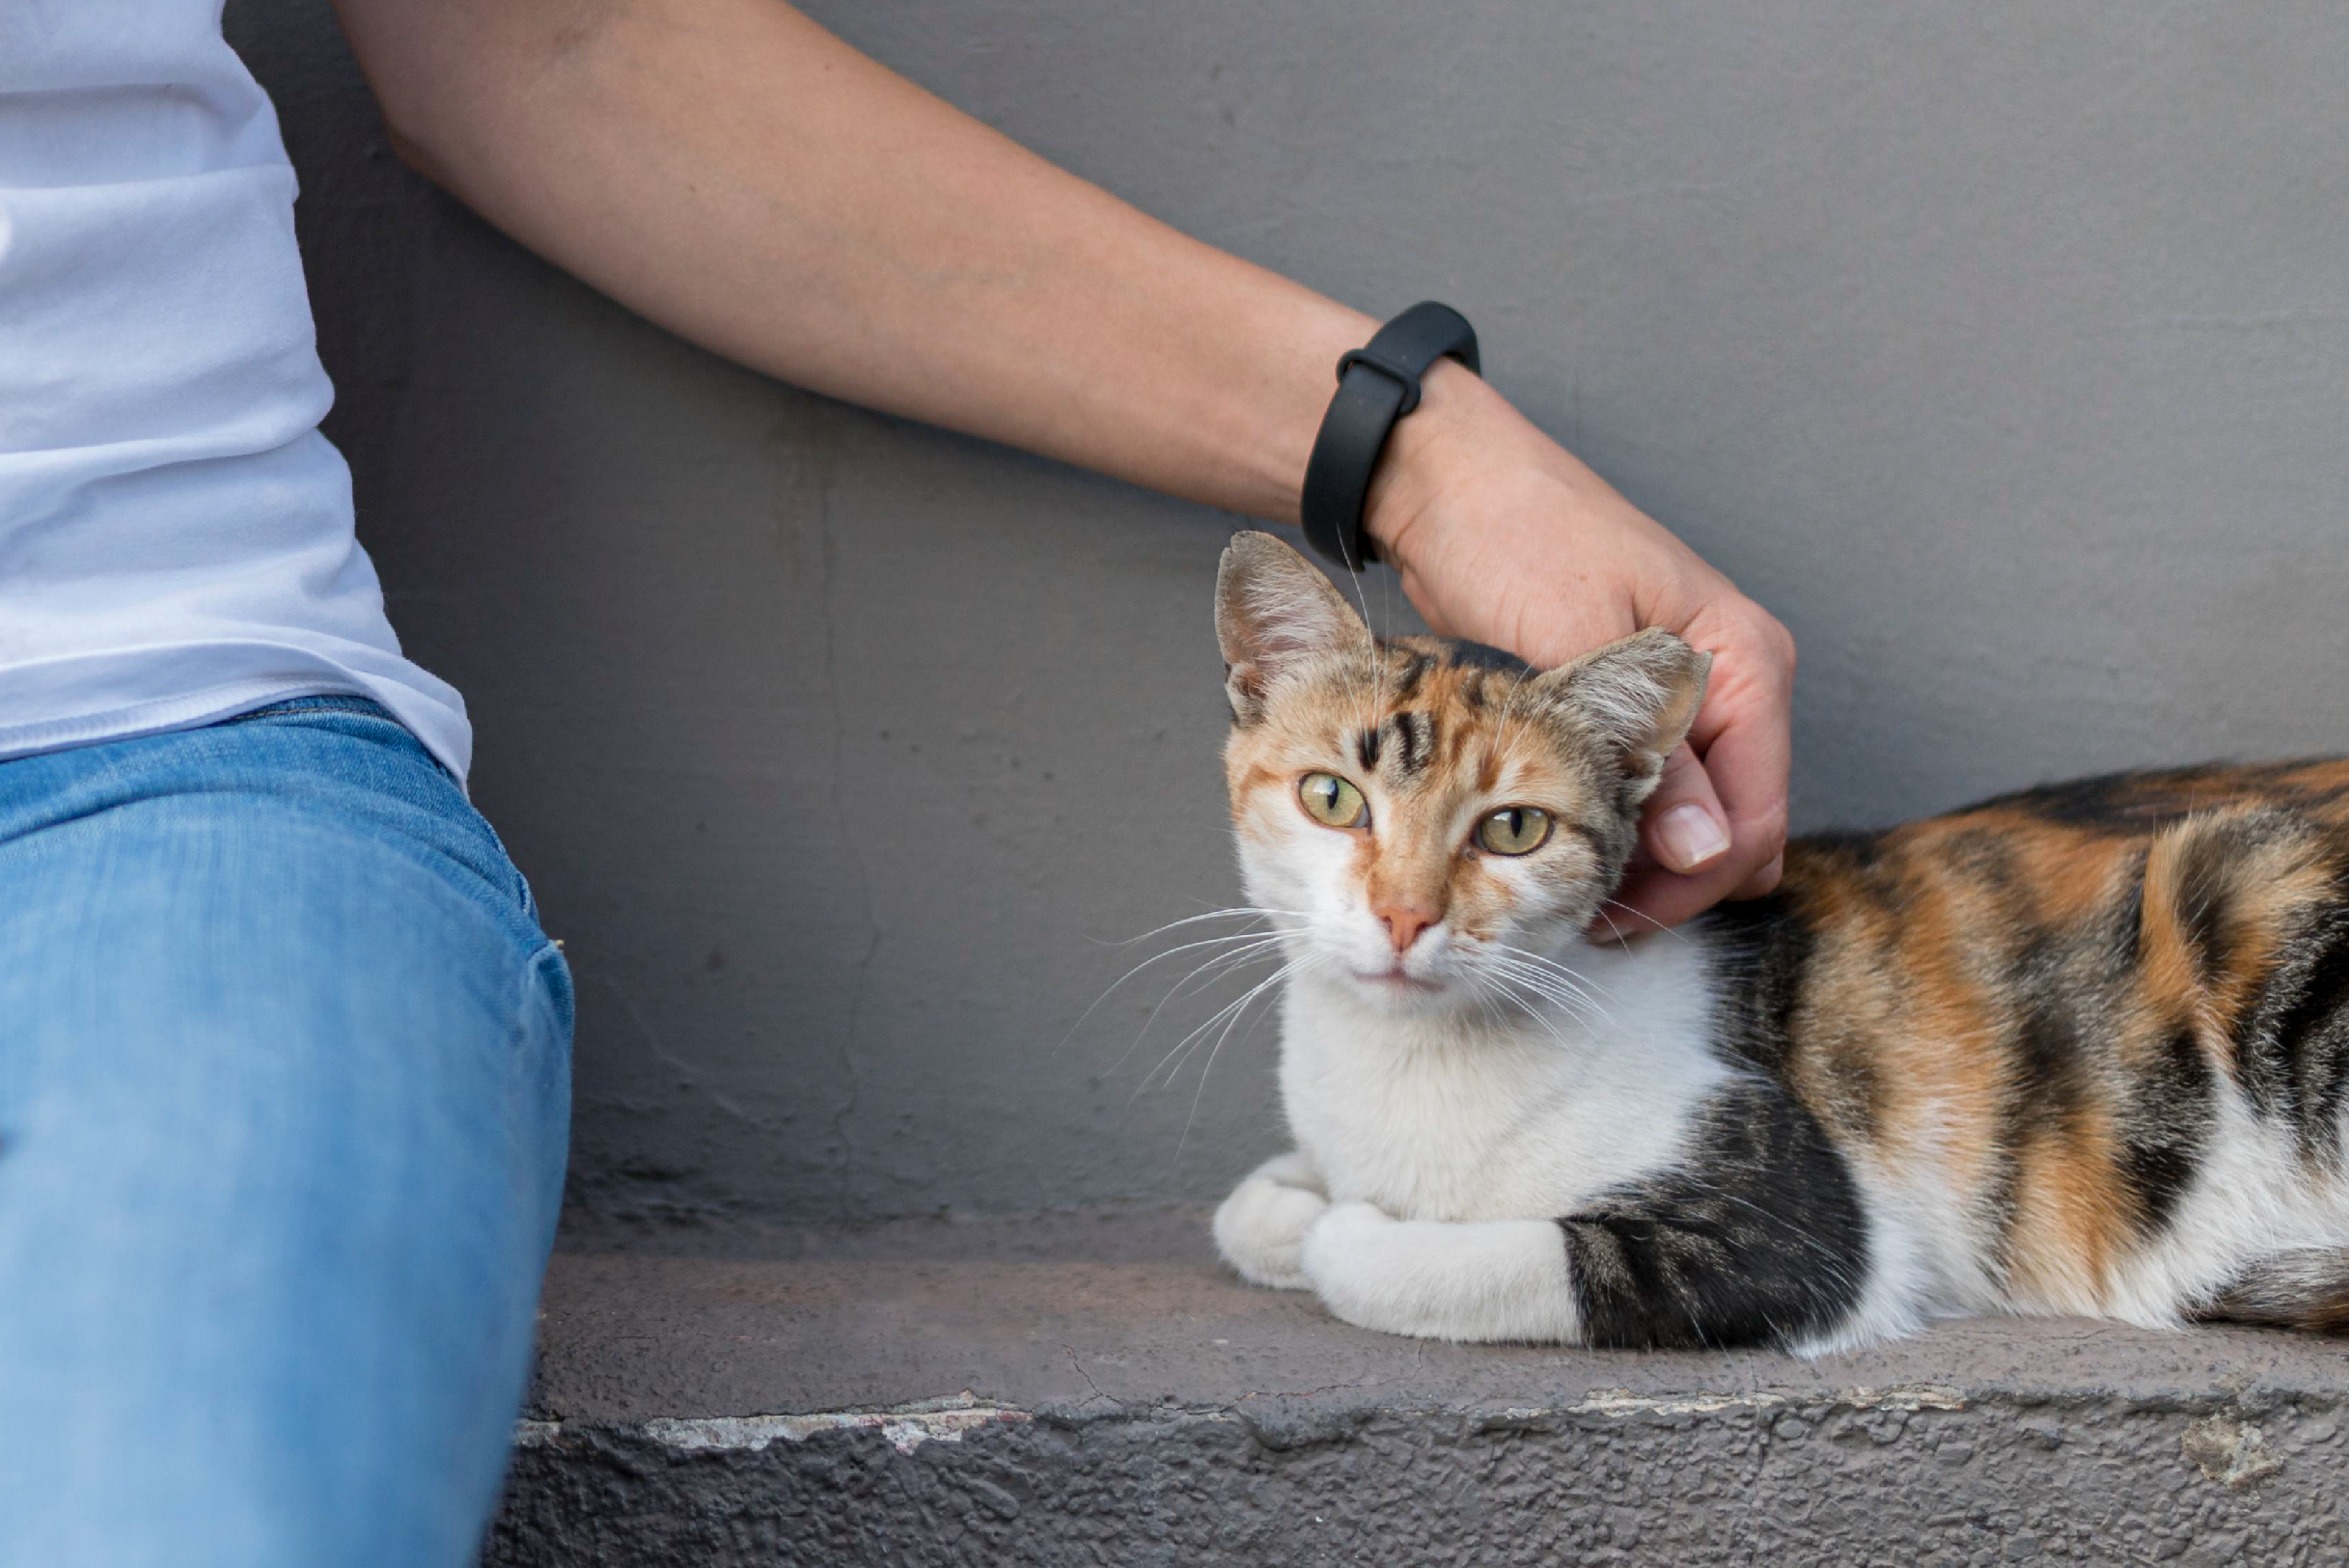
(1641, 694)
(1272, 611)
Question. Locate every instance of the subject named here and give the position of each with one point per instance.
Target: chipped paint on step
(907, 1427)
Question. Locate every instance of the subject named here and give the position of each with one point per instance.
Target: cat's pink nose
(1405, 921)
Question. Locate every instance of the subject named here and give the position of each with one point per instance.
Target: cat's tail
(2306, 1288)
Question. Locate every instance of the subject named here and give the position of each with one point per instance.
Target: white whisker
(1201, 1093)
(1577, 1003)
(1199, 1032)
(1160, 957)
(1676, 935)
(1530, 1006)
(1235, 912)
(1560, 967)
(1206, 974)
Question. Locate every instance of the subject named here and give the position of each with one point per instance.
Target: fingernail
(1687, 837)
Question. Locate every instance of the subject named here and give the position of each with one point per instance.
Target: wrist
(1283, 406)
(1454, 405)
(1378, 384)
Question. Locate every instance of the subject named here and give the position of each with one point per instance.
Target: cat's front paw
(1344, 1262)
(1441, 1280)
(1260, 1226)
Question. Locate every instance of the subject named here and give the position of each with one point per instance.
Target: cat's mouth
(1396, 979)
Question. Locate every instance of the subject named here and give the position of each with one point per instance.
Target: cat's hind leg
(1259, 1228)
(1490, 1280)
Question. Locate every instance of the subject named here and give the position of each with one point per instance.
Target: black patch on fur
(2169, 1108)
(1989, 857)
(2206, 861)
(2157, 1176)
(2292, 1044)
(1367, 747)
(2316, 1030)
(2047, 1085)
(1765, 949)
(2167, 1121)
(1414, 742)
(1462, 654)
(1756, 1239)
(2125, 929)
(2138, 802)
(2131, 802)
(1407, 684)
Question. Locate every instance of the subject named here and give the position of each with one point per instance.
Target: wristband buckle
(1393, 370)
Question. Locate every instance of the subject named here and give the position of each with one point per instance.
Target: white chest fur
(1507, 1116)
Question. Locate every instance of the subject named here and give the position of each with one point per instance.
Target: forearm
(735, 172)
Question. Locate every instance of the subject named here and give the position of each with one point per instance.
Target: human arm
(734, 172)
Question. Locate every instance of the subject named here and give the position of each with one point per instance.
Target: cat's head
(1414, 807)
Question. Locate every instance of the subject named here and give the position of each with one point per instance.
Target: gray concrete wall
(2001, 349)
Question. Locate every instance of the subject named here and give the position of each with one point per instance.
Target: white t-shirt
(176, 538)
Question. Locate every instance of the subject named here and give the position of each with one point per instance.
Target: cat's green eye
(1515, 829)
(1333, 802)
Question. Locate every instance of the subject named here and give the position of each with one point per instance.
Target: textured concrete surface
(1092, 1389)
(2002, 348)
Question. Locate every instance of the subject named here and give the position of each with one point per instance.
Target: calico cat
(2079, 1050)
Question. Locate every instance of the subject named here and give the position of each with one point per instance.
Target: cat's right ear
(1271, 610)
(1641, 694)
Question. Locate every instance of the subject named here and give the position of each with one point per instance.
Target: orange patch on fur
(2224, 892)
(1488, 770)
(1892, 1003)
(2072, 1224)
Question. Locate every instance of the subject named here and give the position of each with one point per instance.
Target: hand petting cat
(1504, 536)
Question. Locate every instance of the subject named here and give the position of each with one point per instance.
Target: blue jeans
(283, 1084)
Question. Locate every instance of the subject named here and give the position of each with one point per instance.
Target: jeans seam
(299, 706)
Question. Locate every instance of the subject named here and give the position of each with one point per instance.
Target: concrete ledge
(1092, 1389)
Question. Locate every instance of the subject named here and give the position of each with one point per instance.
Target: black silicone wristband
(1377, 384)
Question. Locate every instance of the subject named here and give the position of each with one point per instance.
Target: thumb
(1684, 827)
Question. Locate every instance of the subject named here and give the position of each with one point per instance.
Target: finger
(1763, 881)
(1744, 734)
(1747, 764)
(1684, 827)
(1652, 897)
(1743, 731)
(1655, 896)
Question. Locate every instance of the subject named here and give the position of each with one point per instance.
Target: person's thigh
(283, 1075)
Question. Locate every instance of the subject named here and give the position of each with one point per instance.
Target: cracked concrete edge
(1922, 1474)
(2223, 1442)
